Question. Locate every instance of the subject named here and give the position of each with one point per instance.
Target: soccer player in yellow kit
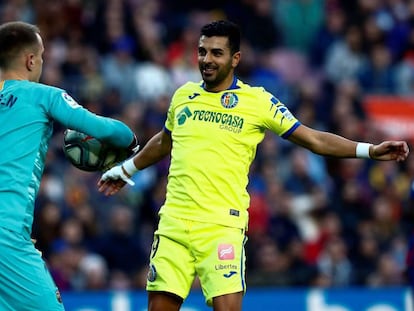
(212, 131)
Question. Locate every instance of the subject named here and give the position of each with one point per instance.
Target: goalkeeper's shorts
(183, 249)
(25, 282)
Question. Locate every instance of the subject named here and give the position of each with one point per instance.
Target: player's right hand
(113, 180)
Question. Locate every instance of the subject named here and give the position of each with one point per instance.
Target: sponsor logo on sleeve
(277, 107)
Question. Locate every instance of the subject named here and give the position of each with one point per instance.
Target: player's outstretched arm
(329, 144)
(156, 149)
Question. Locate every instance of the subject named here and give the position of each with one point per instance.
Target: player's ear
(236, 59)
(30, 61)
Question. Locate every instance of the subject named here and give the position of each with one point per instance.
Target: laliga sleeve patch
(69, 99)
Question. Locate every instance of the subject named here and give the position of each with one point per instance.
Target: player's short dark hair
(14, 38)
(223, 28)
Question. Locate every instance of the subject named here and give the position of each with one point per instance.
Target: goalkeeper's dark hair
(16, 37)
(223, 28)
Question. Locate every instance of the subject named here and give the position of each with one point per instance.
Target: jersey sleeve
(276, 116)
(69, 113)
(169, 123)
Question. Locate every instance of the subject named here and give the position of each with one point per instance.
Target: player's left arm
(329, 144)
(69, 113)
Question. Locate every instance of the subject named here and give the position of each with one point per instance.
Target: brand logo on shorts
(225, 252)
(152, 273)
(230, 274)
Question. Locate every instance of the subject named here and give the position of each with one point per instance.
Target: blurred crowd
(314, 221)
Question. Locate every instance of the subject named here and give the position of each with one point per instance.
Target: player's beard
(218, 75)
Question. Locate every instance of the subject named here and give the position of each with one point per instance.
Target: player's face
(216, 62)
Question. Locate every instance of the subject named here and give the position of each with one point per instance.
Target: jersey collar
(233, 86)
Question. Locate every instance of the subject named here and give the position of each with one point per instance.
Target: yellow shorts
(183, 249)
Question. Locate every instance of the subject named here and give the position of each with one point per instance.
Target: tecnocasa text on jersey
(226, 120)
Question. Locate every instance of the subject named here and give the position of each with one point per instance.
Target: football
(89, 154)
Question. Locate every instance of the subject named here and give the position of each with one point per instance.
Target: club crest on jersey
(229, 100)
(70, 100)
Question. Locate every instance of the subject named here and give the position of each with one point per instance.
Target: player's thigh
(172, 267)
(25, 282)
(221, 259)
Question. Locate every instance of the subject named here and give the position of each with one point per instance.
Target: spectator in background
(345, 58)
(46, 228)
(353, 196)
(387, 272)
(92, 273)
(119, 246)
(334, 262)
(330, 32)
(298, 21)
(405, 66)
(259, 20)
(272, 265)
(377, 76)
(181, 57)
(118, 68)
(409, 261)
(110, 21)
(384, 223)
(364, 258)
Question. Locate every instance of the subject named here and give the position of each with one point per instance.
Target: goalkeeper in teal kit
(27, 112)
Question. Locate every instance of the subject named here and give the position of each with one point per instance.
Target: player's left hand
(113, 180)
(390, 150)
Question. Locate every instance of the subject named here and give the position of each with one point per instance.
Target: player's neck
(12, 75)
(224, 85)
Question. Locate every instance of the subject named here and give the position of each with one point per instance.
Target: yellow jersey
(214, 141)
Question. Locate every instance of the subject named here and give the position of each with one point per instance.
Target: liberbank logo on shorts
(225, 252)
(225, 121)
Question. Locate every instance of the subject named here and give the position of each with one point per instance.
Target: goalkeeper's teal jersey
(27, 112)
(214, 137)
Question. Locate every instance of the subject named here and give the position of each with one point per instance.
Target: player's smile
(209, 70)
